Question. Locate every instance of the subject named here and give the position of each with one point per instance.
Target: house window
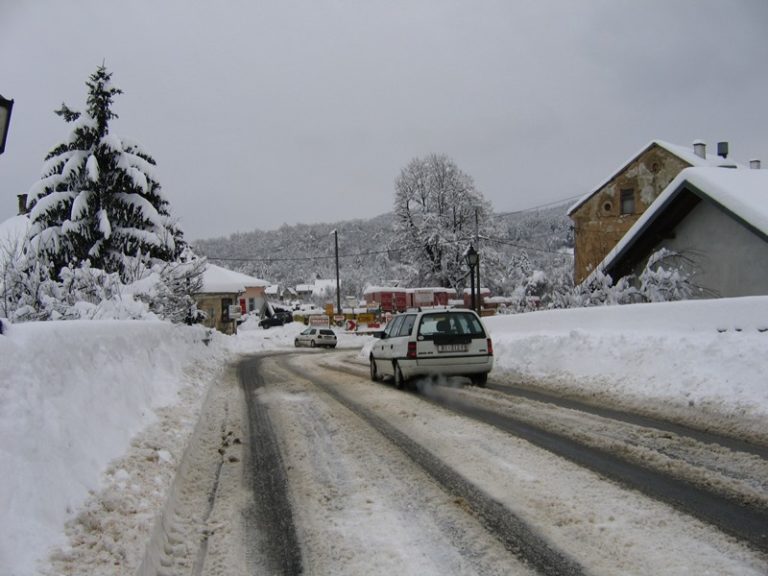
(251, 304)
(628, 201)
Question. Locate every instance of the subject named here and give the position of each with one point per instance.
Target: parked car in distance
(316, 337)
(284, 314)
(278, 318)
(270, 321)
(450, 342)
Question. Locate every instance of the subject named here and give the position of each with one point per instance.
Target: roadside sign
(235, 312)
(351, 326)
(423, 298)
(319, 320)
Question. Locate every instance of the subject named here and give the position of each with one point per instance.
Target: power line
(522, 246)
(547, 205)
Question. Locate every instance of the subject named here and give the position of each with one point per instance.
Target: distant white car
(451, 342)
(316, 337)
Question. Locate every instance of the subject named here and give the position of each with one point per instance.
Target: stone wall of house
(214, 307)
(599, 223)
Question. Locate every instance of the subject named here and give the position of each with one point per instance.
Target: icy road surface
(298, 463)
(350, 496)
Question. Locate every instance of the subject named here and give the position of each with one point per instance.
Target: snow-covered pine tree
(99, 199)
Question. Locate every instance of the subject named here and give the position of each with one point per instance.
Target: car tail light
(411, 350)
(489, 345)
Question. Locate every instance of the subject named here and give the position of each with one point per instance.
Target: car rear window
(327, 332)
(456, 323)
(406, 327)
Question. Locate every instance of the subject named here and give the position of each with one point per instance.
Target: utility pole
(338, 290)
(477, 243)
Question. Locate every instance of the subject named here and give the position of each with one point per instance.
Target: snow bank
(692, 359)
(72, 395)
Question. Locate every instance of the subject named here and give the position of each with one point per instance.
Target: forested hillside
(526, 251)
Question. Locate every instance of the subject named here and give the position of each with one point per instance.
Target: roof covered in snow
(684, 153)
(12, 233)
(15, 228)
(377, 289)
(320, 287)
(741, 193)
(218, 280)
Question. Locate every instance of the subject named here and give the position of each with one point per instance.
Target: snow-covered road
(96, 419)
(362, 502)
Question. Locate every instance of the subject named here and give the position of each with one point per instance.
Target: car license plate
(452, 348)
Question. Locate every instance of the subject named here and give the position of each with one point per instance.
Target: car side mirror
(380, 334)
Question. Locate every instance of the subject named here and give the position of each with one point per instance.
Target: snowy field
(76, 397)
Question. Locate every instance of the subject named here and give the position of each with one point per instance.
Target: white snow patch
(75, 395)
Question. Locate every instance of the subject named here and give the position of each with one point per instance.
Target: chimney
(754, 164)
(722, 149)
(699, 148)
(22, 204)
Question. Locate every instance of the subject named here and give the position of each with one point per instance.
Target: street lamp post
(6, 107)
(472, 257)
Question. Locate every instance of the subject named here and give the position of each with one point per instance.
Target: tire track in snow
(749, 524)
(704, 436)
(745, 523)
(513, 532)
(269, 520)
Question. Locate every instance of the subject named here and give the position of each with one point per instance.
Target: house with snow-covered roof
(717, 220)
(318, 290)
(604, 215)
(12, 234)
(224, 289)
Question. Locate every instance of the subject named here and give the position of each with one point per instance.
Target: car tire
(479, 380)
(374, 370)
(399, 380)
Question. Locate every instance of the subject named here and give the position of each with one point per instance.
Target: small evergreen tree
(99, 199)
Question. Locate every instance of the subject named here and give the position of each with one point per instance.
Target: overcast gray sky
(262, 113)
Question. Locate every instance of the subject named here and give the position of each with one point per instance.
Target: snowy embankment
(72, 396)
(77, 397)
(692, 360)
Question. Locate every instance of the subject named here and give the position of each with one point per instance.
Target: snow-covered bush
(158, 291)
(664, 279)
(168, 289)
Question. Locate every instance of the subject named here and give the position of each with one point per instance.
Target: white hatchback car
(316, 337)
(450, 342)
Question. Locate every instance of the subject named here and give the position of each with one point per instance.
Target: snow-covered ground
(76, 397)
